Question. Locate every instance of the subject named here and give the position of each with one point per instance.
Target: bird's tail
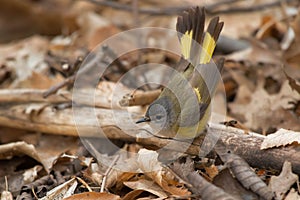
(197, 46)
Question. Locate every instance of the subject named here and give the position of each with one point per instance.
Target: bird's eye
(158, 117)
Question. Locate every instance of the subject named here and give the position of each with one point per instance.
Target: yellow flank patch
(186, 43)
(197, 92)
(193, 131)
(209, 45)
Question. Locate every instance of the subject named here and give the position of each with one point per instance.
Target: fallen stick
(27, 96)
(41, 118)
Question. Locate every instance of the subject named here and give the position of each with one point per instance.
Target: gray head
(161, 113)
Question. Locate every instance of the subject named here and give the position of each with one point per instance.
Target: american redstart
(183, 107)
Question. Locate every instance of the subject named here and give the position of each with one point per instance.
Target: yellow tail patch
(209, 45)
(186, 44)
(197, 92)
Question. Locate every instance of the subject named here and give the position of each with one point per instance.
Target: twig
(52, 90)
(115, 58)
(32, 96)
(211, 9)
(84, 183)
(139, 98)
(129, 8)
(154, 11)
(252, 8)
(107, 173)
(70, 80)
(6, 183)
(63, 98)
(196, 183)
(135, 15)
(63, 65)
(33, 192)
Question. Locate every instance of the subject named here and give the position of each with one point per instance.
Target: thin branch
(85, 184)
(211, 9)
(79, 71)
(107, 173)
(32, 96)
(254, 8)
(139, 98)
(63, 98)
(52, 90)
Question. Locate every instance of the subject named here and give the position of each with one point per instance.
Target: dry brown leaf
(250, 23)
(101, 34)
(232, 186)
(288, 38)
(62, 191)
(132, 195)
(38, 81)
(7, 151)
(6, 195)
(293, 83)
(282, 183)
(8, 135)
(264, 110)
(212, 171)
(146, 185)
(93, 196)
(49, 149)
(124, 170)
(257, 53)
(292, 195)
(116, 17)
(95, 28)
(19, 19)
(149, 164)
(119, 178)
(25, 56)
(281, 137)
(31, 174)
(293, 52)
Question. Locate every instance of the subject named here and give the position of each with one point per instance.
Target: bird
(184, 105)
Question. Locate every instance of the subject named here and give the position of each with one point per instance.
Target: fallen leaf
(93, 196)
(250, 23)
(31, 174)
(288, 38)
(7, 151)
(264, 111)
(292, 53)
(42, 151)
(257, 53)
(232, 186)
(212, 171)
(6, 195)
(282, 137)
(282, 183)
(292, 195)
(146, 185)
(132, 195)
(151, 167)
(101, 34)
(25, 56)
(62, 191)
(38, 81)
(294, 85)
(51, 147)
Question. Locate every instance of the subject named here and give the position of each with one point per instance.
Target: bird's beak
(144, 119)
